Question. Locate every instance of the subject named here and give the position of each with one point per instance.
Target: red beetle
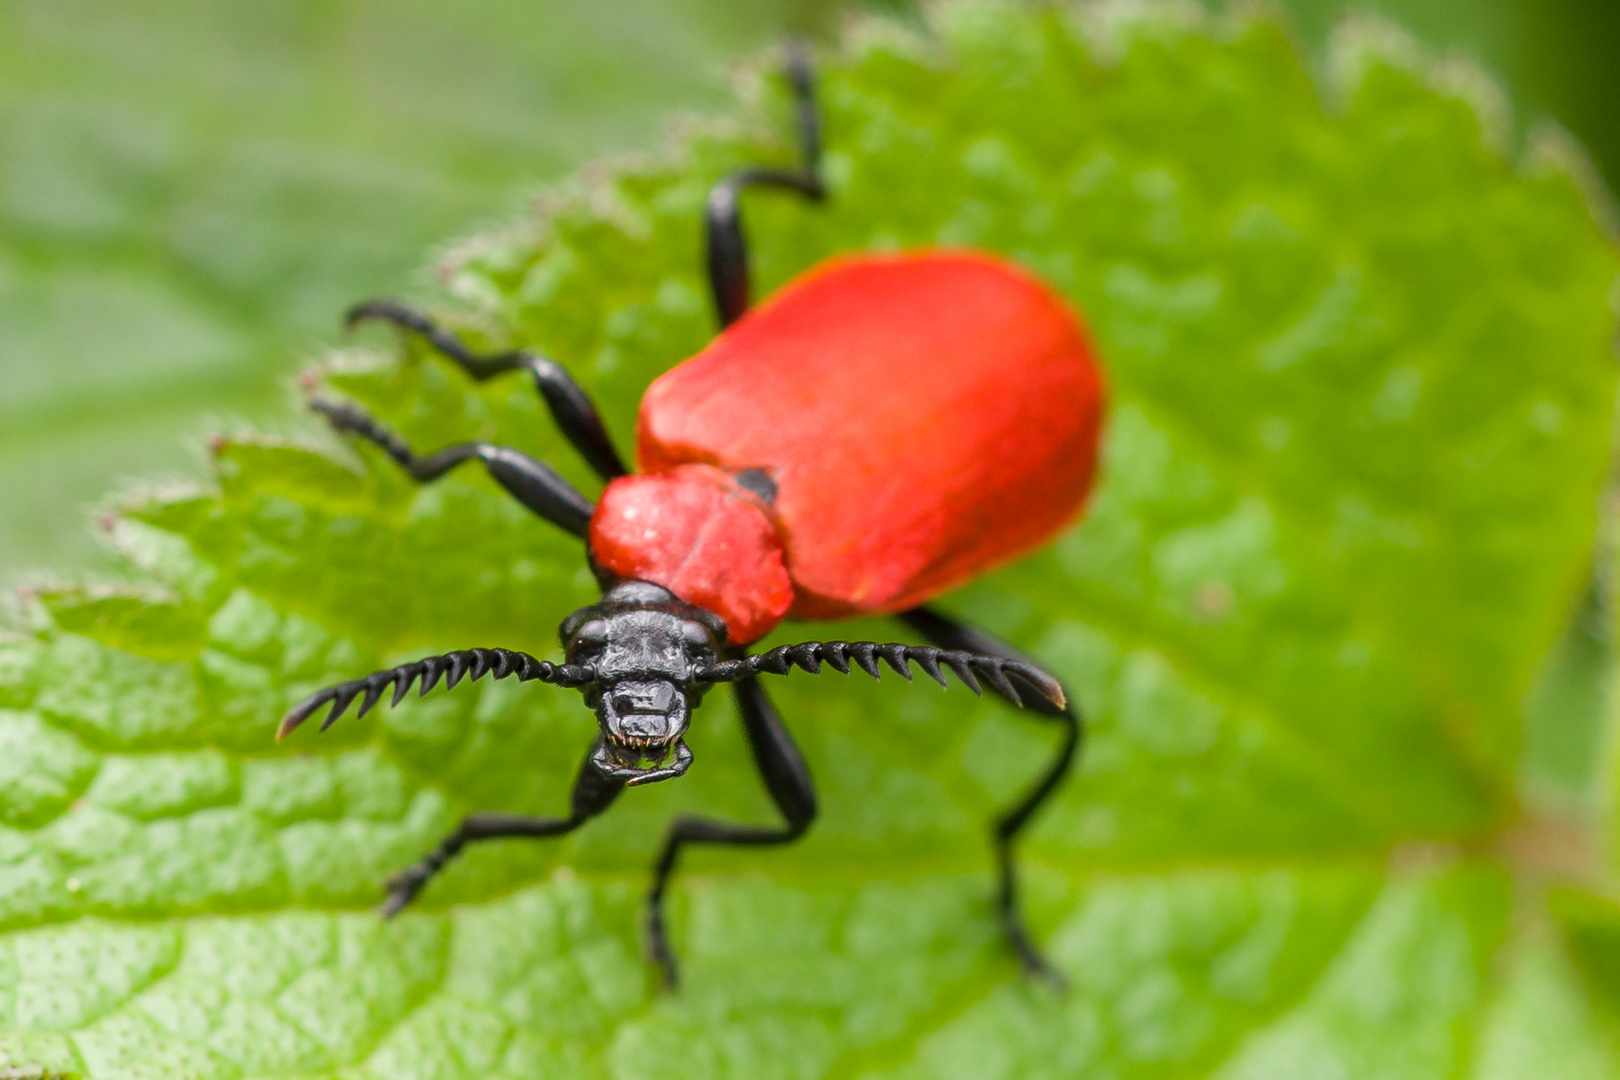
(768, 491)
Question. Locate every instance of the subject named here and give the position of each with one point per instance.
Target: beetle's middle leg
(593, 793)
(786, 777)
(571, 407)
(949, 633)
(533, 483)
(727, 250)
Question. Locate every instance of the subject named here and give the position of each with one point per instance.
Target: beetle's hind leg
(571, 407)
(727, 249)
(787, 779)
(593, 793)
(949, 633)
(533, 483)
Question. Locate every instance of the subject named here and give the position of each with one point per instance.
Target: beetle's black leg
(570, 406)
(786, 777)
(593, 793)
(951, 634)
(728, 251)
(534, 483)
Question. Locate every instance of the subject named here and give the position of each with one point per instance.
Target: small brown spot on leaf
(1214, 598)
(1544, 847)
(1420, 857)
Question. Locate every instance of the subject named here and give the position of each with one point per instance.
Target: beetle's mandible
(768, 490)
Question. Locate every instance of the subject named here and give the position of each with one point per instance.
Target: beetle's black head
(645, 646)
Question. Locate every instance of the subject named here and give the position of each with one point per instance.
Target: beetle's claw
(1031, 959)
(659, 952)
(402, 889)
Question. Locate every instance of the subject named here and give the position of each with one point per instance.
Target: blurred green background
(191, 191)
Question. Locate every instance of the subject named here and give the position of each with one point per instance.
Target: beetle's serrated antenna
(432, 672)
(865, 653)
(929, 662)
(895, 655)
(472, 664)
(963, 670)
(1004, 686)
(374, 688)
(966, 666)
(836, 653)
(458, 668)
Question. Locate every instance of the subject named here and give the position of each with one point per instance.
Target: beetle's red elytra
(921, 417)
(884, 428)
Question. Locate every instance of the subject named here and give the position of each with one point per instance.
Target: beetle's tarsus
(571, 407)
(532, 482)
(345, 417)
(1030, 958)
(382, 309)
(659, 954)
(402, 889)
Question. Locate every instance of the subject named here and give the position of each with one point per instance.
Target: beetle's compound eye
(588, 638)
(697, 637)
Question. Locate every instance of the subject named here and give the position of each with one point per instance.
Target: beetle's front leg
(786, 777)
(951, 634)
(593, 793)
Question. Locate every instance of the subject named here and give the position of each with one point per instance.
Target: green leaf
(1362, 385)
(190, 192)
